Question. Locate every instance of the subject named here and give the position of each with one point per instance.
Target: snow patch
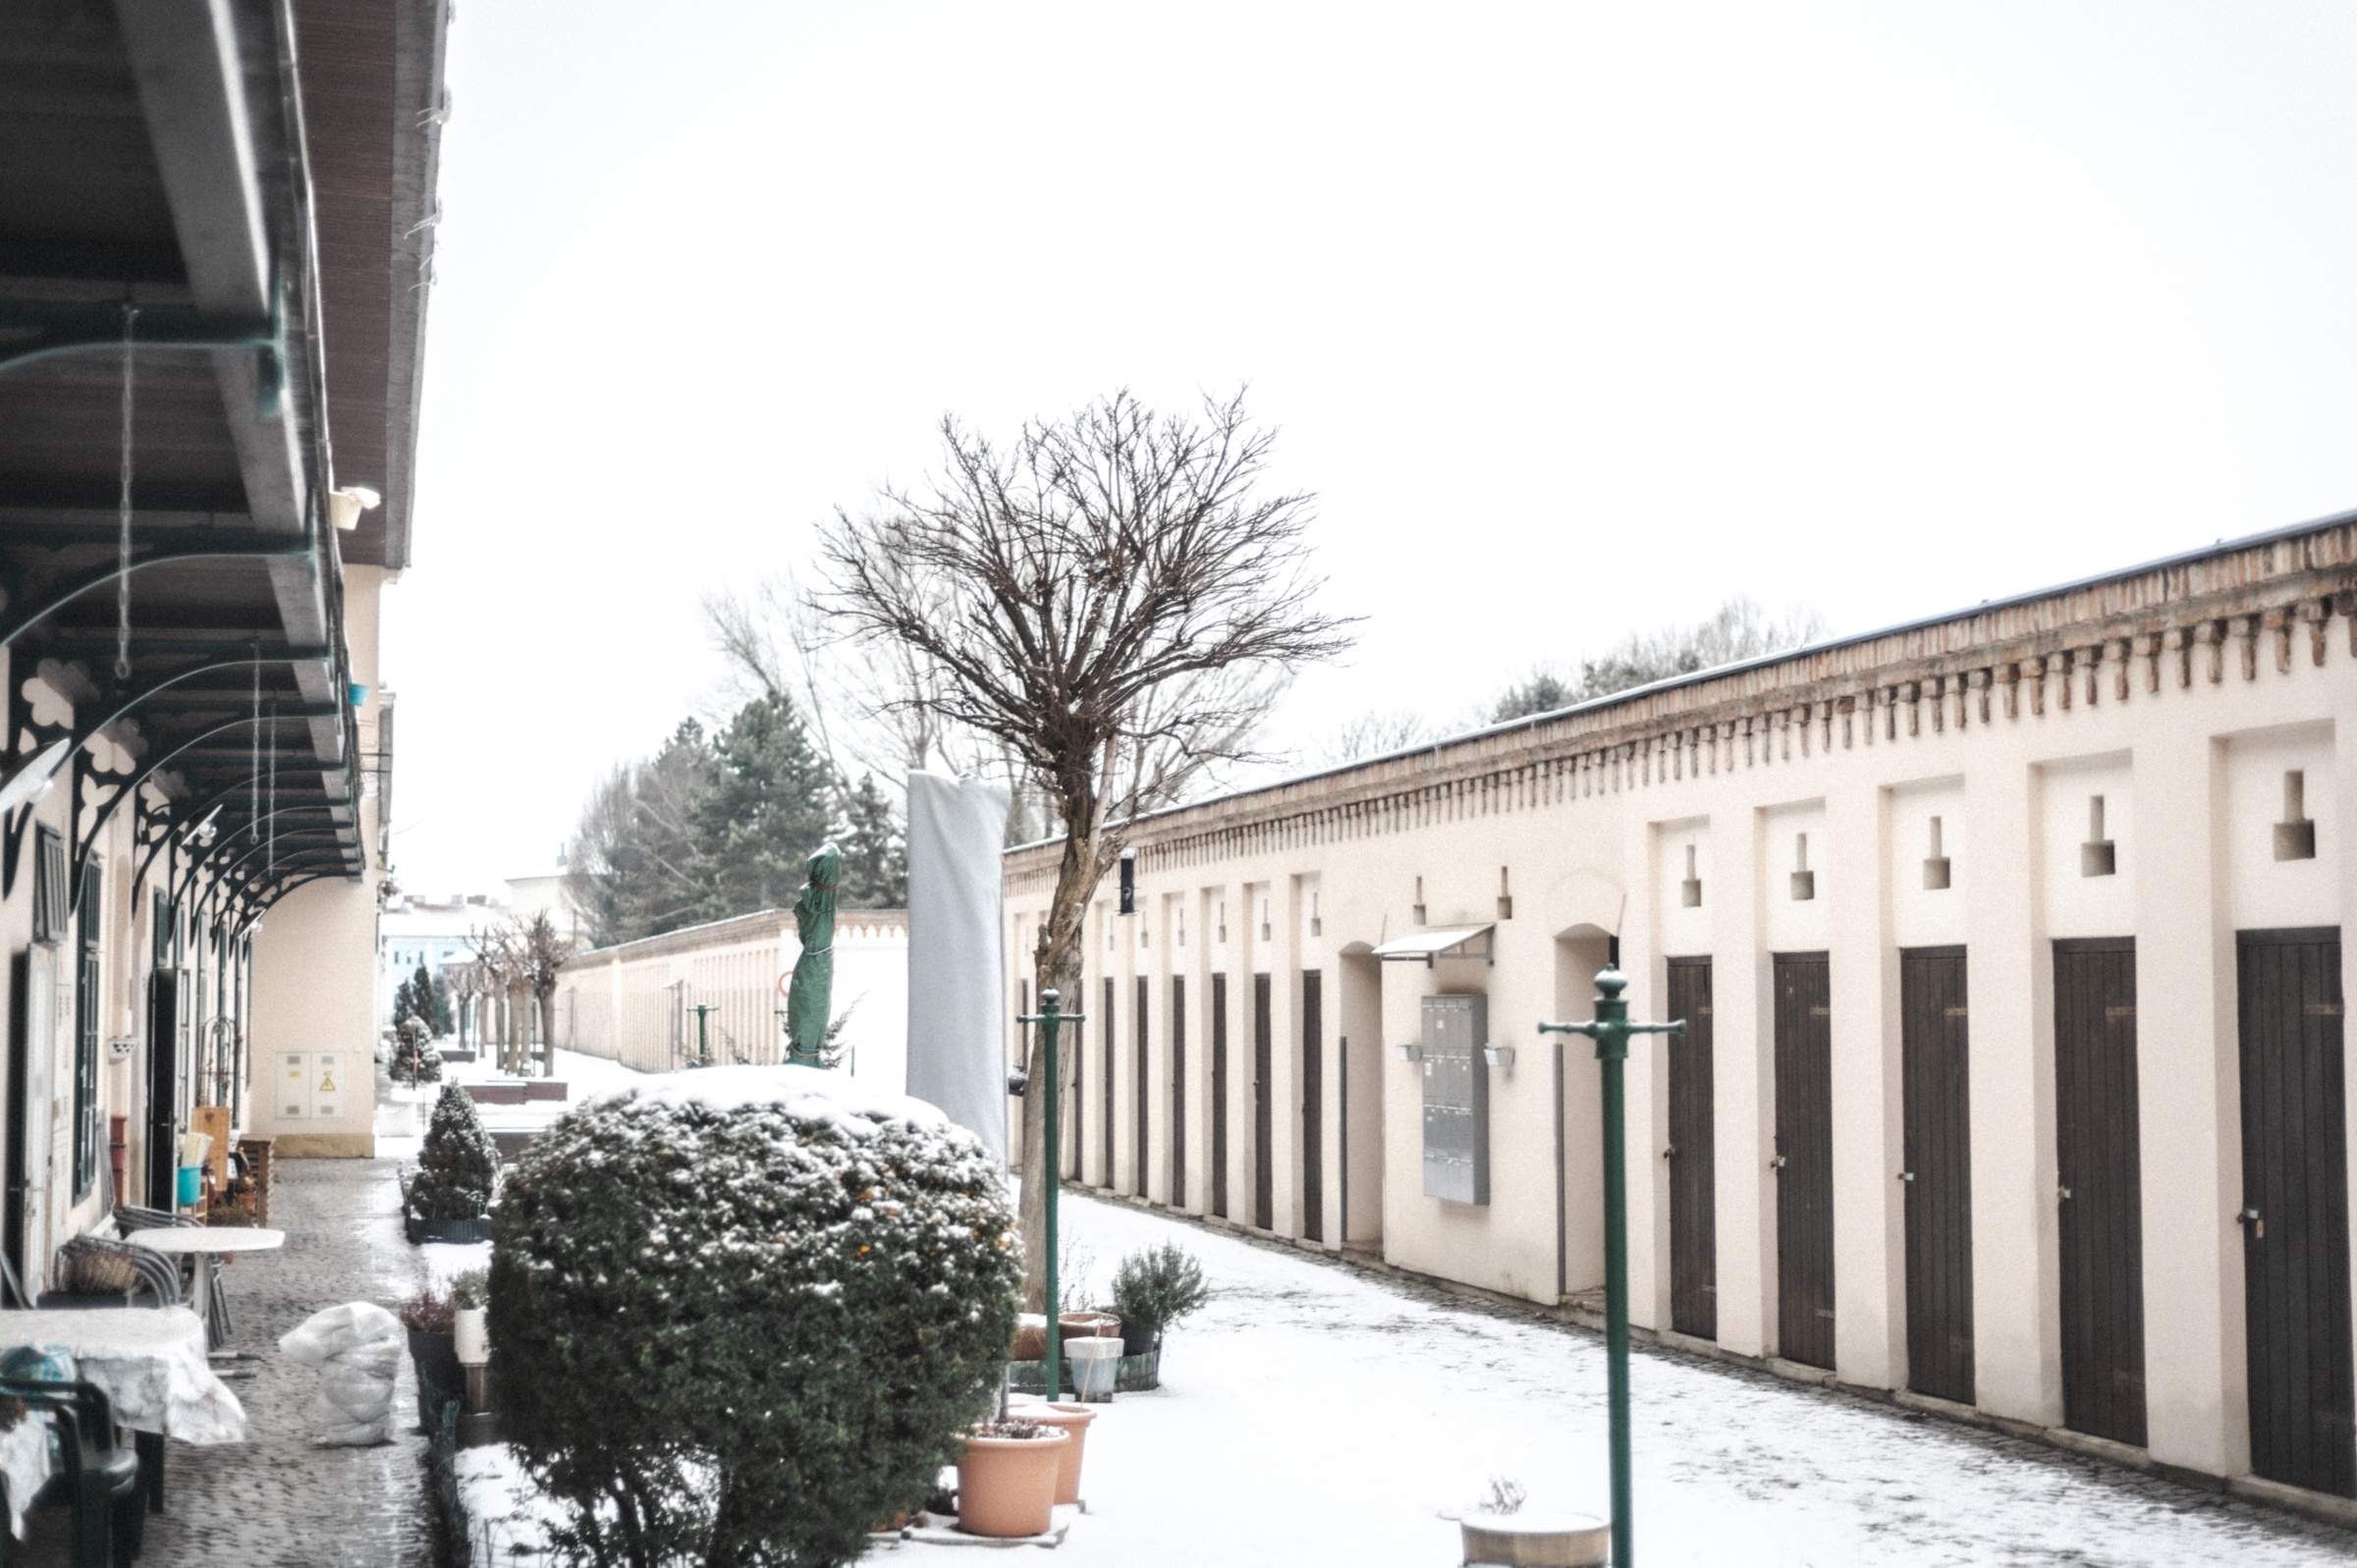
(808, 1093)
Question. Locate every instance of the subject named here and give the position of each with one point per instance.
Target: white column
(1870, 1325)
(2189, 1104)
(1743, 1084)
(2010, 973)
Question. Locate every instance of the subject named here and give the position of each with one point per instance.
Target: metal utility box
(1457, 1098)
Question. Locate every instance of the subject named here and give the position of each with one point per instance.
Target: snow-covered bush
(741, 1326)
(459, 1165)
(414, 1059)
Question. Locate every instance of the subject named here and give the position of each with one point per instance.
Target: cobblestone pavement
(274, 1501)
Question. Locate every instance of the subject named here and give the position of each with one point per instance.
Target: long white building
(2009, 942)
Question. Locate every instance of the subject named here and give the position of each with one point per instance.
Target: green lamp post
(1051, 1014)
(1611, 1029)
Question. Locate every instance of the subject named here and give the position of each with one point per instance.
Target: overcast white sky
(1577, 319)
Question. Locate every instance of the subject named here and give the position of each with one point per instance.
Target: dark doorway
(1693, 1178)
(1113, 1033)
(1145, 1092)
(1804, 1159)
(1218, 1096)
(163, 1072)
(1177, 1092)
(1313, 1106)
(2295, 1214)
(13, 1223)
(1264, 1158)
(1935, 1128)
(2098, 1165)
(87, 1004)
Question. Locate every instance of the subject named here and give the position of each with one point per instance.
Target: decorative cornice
(2140, 633)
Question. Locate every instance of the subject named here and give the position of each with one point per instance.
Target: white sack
(357, 1346)
(956, 974)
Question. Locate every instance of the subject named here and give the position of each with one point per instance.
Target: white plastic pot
(474, 1339)
(1096, 1366)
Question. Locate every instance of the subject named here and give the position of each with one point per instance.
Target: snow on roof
(809, 1092)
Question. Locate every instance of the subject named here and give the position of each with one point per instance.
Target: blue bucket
(191, 1184)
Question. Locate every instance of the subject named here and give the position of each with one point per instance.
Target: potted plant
(1007, 1478)
(449, 1198)
(1152, 1289)
(433, 1348)
(470, 1296)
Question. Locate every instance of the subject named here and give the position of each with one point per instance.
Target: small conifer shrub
(745, 1336)
(459, 1166)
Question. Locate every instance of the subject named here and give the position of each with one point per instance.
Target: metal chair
(129, 1218)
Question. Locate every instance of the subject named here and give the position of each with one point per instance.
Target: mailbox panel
(1457, 1098)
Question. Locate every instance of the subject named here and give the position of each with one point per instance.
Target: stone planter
(1006, 1485)
(1536, 1539)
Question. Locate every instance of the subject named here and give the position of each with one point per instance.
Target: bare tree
(1375, 733)
(1108, 598)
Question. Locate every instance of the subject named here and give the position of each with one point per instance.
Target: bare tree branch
(1112, 600)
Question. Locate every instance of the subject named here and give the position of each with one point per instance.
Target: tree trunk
(1056, 965)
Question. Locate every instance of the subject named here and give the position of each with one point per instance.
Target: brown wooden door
(1145, 1094)
(1936, 1129)
(1264, 1158)
(1693, 1169)
(1177, 1092)
(2100, 1187)
(1313, 1105)
(1804, 1149)
(2296, 1194)
(1218, 1096)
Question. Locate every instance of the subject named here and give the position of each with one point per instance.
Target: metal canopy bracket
(41, 329)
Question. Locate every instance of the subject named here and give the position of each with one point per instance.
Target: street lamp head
(1611, 982)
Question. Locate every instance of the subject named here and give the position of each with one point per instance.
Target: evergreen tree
(765, 812)
(459, 1165)
(442, 1021)
(421, 998)
(875, 855)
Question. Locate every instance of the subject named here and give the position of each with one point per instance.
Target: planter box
(439, 1380)
(462, 1231)
(498, 1094)
(453, 1053)
(545, 1089)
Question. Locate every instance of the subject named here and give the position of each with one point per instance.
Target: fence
(716, 992)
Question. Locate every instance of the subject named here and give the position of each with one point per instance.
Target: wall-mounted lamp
(1498, 1056)
(33, 780)
(345, 505)
(1129, 882)
(1409, 1052)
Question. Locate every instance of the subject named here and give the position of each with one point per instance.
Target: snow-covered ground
(1314, 1413)
(1317, 1414)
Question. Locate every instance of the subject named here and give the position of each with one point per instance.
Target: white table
(201, 1242)
(149, 1360)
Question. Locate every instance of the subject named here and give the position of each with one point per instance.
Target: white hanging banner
(956, 972)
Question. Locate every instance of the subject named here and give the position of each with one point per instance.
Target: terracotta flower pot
(1089, 1325)
(1006, 1485)
(1537, 1540)
(1030, 1337)
(1074, 1420)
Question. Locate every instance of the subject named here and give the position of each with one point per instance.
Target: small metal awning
(1448, 941)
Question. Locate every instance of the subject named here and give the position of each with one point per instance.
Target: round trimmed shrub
(459, 1165)
(745, 1336)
